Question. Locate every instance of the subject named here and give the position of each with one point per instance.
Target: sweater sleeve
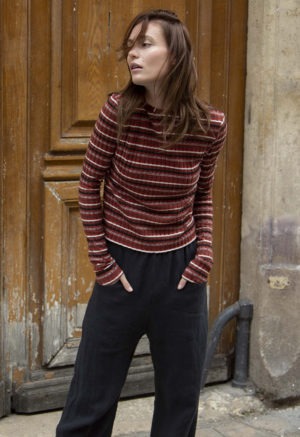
(199, 268)
(97, 161)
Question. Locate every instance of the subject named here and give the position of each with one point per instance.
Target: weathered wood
(44, 395)
(227, 84)
(14, 196)
(2, 399)
(51, 394)
(67, 354)
(5, 399)
(221, 369)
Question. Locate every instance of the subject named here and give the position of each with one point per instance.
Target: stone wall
(270, 265)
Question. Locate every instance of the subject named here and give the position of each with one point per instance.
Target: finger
(126, 284)
(181, 284)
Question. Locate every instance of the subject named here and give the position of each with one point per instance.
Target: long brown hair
(183, 111)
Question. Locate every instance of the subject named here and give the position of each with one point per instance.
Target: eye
(146, 44)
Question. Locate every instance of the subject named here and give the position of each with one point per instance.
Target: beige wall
(270, 268)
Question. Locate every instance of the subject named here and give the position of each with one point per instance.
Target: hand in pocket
(125, 283)
(181, 284)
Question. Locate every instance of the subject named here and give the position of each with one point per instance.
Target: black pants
(176, 325)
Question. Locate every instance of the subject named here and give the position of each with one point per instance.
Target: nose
(132, 52)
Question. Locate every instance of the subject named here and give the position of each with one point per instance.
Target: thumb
(181, 284)
(125, 283)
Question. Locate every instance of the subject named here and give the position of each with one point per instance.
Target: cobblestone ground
(223, 411)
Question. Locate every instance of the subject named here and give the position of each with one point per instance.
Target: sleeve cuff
(110, 275)
(197, 271)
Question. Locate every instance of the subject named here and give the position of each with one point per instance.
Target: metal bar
(241, 365)
(242, 309)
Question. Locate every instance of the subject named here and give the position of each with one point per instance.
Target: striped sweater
(155, 199)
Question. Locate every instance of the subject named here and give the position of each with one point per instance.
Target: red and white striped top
(155, 199)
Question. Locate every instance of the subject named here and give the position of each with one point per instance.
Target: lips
(135, 67)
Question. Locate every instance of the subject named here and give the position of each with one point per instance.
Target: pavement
(223, 411)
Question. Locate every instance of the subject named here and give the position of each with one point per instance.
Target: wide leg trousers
(175, 322)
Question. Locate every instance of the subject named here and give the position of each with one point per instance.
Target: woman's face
(148, 57)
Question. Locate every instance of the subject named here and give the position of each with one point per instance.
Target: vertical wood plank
(14, 80)
(39, 57)
(220, 22)
(229, 24)
(2, 254)
(199, 23)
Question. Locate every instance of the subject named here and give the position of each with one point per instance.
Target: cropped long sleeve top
(155, 199)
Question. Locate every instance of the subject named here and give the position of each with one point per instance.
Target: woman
(155, 146)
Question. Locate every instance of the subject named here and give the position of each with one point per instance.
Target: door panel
(68, 277)
(83, 69)
(59, 63)
(85, 37)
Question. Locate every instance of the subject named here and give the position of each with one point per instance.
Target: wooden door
(58, 64)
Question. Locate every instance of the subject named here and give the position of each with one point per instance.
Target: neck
(154, 99)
